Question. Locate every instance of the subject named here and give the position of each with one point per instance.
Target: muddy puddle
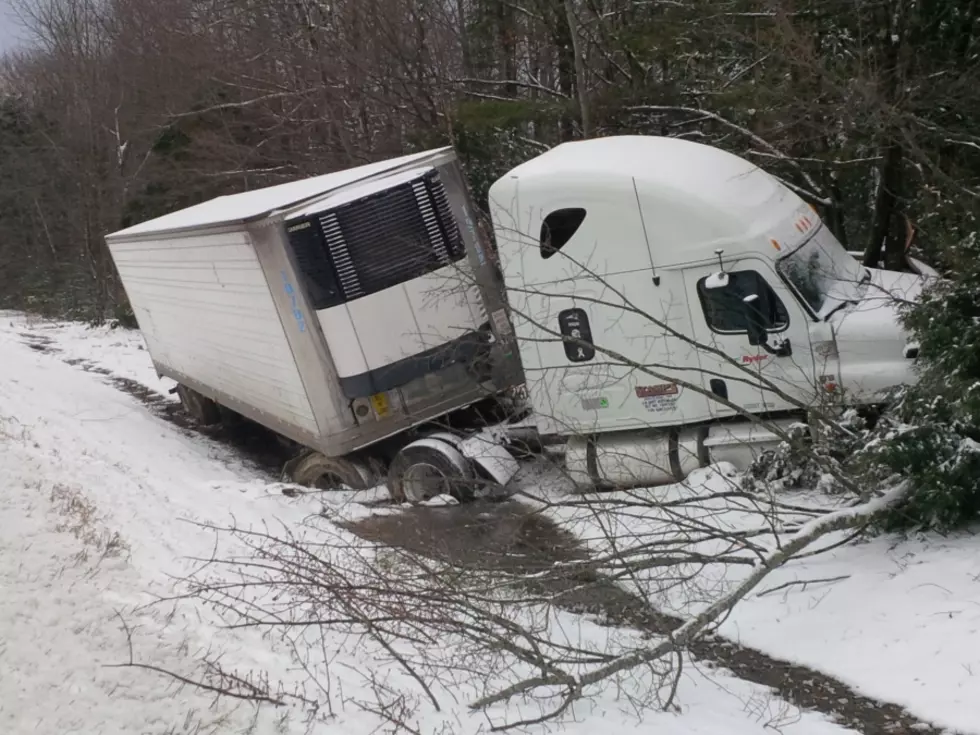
(506, 536)
(512, 538)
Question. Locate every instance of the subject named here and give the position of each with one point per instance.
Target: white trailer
(338, 311)
(654, 292)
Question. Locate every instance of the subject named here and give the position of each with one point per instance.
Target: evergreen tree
(932, 436)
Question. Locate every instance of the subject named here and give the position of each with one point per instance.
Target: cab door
(720, 318)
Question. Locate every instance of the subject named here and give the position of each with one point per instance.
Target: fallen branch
(689, 631)
(230, 685)
(804, 583)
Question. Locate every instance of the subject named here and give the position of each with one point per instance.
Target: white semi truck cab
(659, 289)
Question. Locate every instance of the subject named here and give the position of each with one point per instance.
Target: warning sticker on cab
(659, 398)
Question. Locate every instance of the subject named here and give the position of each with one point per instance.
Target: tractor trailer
(641, 301)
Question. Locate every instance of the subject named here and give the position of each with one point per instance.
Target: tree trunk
(834, 214)
(464, 39)
(886, 239)
(580, 86)
(507, 39)
(885, 212)
(566, 65)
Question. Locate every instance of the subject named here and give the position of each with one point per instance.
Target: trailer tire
(427, 468)
(330, 473)
(230, 419)
(199, 407)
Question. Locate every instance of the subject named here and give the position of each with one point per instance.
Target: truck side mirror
(755, 321)
(757, 326)
(716, 280)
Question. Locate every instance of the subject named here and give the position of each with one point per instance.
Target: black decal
(574, 326)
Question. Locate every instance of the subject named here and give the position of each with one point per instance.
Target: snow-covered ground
(896, 619)
(903, 625)
(100, 506)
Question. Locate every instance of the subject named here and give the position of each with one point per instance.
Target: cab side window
(558, 228)
(724, 309)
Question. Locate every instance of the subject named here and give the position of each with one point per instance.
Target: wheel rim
(424, 481)
(329, 481)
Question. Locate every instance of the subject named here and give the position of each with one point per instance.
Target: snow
(253, 204)
(122, 351)
(898, 621)
(60, 632)
(77, 465)
(719, 185)
(359, 191)
(104, 508)
(902, 626)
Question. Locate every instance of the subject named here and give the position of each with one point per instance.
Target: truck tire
(427, 468)
(331, 473)
(200, 408)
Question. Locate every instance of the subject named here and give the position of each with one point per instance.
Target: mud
(510, 537)
(504, 536)
(39, 342)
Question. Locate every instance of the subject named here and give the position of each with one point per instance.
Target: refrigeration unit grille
(333, 233)
(391, 237)
(376, 242)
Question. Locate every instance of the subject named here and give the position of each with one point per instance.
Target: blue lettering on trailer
(476, 239)
(291, 293)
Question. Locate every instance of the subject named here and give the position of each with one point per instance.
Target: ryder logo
(749, 359)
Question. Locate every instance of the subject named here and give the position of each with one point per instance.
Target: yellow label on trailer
(380, 403)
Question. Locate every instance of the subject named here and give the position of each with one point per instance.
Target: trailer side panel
(204, 306)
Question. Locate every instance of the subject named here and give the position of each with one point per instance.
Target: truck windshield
(823, 273)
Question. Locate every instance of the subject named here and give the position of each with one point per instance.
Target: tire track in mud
(510, 537)
(258, 448)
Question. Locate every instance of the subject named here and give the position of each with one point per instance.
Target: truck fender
(454, 472)
(484, 451)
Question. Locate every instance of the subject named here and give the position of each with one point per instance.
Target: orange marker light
(776, 244)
